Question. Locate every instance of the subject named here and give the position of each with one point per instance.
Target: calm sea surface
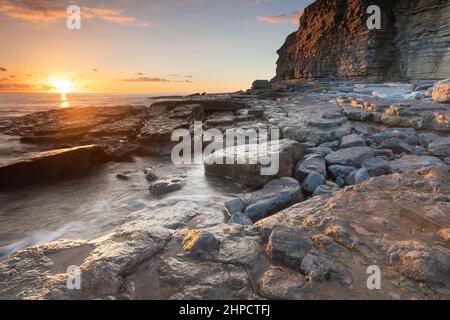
(14, 105)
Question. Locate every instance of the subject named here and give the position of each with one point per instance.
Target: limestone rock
(51, 165)
(350, 156)
(286, 154)
(441, 91)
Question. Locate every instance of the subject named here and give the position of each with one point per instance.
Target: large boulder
(284, 153)
(441, 91)
(275, 196)
(51, 165)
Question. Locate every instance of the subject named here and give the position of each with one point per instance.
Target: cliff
(334, 42)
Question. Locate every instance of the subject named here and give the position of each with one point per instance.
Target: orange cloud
(49, 11)
(292, 18)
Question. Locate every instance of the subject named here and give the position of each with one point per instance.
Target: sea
(91, 206)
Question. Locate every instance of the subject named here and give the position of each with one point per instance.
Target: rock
(352, 140)
(409, 162)
(419, 262)
(288, 246)
(319, 269)
(275, 196)
(239, 247)
(355, 222)
(333, 145)
(356, 114)
(167, 185)
(122, 176)
(421, 85)
(41, 272)
(339, 171)
(284, 284)
(447, 161)
(200, 243)
(420, 151)
(441, 91)
(340, 182)
(235, 206)
(377, 167)
(289, 152)
(182, 279)
(320, 49)
(51, 165)
(327, 188)
(358, 176)
(313, 163)
(150, 174)
(396, 145)
(384, 153)
(240, 218)
(312, 181)
(440, 147)
(350, 156)
(407, 135)
(444, 234)
(261, 85)
(323, 152)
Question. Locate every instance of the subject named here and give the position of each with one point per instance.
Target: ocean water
(90, 206)
(15, 105)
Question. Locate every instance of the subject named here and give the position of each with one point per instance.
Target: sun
(62, 85)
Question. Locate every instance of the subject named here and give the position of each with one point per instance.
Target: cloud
(150, 79)
(292, 18)
(49, 11)
(3, 69)
(188, 76)
(95, 70)
(14, 87)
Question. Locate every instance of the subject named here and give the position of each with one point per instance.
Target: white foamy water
(91, 206)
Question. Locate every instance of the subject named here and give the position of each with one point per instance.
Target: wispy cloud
(50, 11)
(292, 18)
(3, 69)
(150, 79)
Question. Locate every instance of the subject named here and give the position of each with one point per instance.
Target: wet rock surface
(363, 181)
(317, 248)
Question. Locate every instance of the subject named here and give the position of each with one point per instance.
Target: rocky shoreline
(364, 180)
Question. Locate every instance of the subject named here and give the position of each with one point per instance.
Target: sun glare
(62, 85)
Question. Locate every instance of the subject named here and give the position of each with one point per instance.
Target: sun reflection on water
(64, 101)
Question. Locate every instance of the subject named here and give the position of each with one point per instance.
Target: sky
(142, 46)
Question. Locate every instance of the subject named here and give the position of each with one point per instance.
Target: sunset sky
(142, 46)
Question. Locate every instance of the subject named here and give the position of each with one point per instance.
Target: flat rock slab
(409, 163)
(51, 165)
(286, 152)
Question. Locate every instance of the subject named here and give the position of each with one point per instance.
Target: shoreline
(344, 201)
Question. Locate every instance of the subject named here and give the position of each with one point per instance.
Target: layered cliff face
(423, 38)
(334, 42)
